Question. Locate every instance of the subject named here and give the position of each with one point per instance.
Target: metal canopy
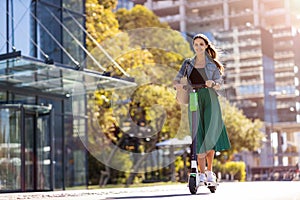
(36, 77)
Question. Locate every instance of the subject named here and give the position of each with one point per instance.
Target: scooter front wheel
(192, 185)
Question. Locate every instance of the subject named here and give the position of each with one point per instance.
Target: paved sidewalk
(93, 194)
(267, 190)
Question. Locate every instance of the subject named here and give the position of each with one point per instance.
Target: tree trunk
(138, 164)
(105, 175)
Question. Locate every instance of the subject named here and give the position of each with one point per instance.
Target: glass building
(44, 86)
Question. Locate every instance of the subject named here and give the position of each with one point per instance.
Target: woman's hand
(210, 83)
(217, 86)
(178, 86)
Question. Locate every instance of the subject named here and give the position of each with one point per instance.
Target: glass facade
(127, 4)
(40, 152)
(10, 151)
(37, 29)
(43, 95)
(26, 153)
(56, 32)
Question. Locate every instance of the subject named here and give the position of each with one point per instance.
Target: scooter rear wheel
(192, 185)
(212, 189)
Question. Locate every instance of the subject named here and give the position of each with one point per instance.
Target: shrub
(236, 170)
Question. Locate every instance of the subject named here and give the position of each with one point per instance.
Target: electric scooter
(194, 179)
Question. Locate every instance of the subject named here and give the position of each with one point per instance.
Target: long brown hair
(210, 50)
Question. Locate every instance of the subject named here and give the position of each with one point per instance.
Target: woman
(204, 69)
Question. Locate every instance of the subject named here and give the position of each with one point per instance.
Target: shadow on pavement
(156, 196)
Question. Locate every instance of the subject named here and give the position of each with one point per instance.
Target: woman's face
(199, 45)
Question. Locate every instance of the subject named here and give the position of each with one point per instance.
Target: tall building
(128, 4)
(259, 40)
(44, 90)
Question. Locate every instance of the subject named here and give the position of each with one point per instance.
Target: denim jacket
(211, 70)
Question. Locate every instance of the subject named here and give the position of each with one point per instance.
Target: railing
(165, 4)
(204, 3)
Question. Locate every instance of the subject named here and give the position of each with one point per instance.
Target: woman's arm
(217, 78)
(180, 73)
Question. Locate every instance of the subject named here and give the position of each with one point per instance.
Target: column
(226, 15)
(287, 9)
(279, 148)
(149, 4)
(182, 25)
(267, 154)
(256, 12)
(290, 139)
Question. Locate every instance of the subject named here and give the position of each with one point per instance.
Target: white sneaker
(202, 178)
(211, 177)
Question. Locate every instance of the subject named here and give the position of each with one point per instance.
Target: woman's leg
(211, 177)
(202, 162)
(209, 158)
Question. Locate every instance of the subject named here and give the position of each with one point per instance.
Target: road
(228, 190)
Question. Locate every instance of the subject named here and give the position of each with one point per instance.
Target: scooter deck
(207, 184)
(211, 184)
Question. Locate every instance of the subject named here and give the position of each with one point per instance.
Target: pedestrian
(204, 68)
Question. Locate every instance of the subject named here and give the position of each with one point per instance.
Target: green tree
(166, 42)
(101, 22)
(244, 134)
(108, 4)
(153, 62)
(138, 17)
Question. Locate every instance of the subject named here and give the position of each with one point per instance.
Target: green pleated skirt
(211, 131)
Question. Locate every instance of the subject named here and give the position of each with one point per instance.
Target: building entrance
(26, 157)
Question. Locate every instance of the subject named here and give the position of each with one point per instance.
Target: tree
(152, 53)
(100, 20)
(169, 46)
(138, 17)
(244, 134)
(108, 4)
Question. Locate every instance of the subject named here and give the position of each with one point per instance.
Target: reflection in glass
(74, 5)
(10, 149)
(43, 153)
(29, 157)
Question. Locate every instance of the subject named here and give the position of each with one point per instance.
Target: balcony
(166, 9)
(251, 54)
(249, 32)
(139, 1)
(285, 64)
(225, 45)
(283, 34)
(170, 19)
(251, 63)
(205, 4)
(249, 42)
(165, 4)
(223, 35)
(283, 45)
(246, 12)
(204, 19)
(275, 12)
(283, 54)
(250, 90)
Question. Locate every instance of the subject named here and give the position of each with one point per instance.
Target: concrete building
(259, 40)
